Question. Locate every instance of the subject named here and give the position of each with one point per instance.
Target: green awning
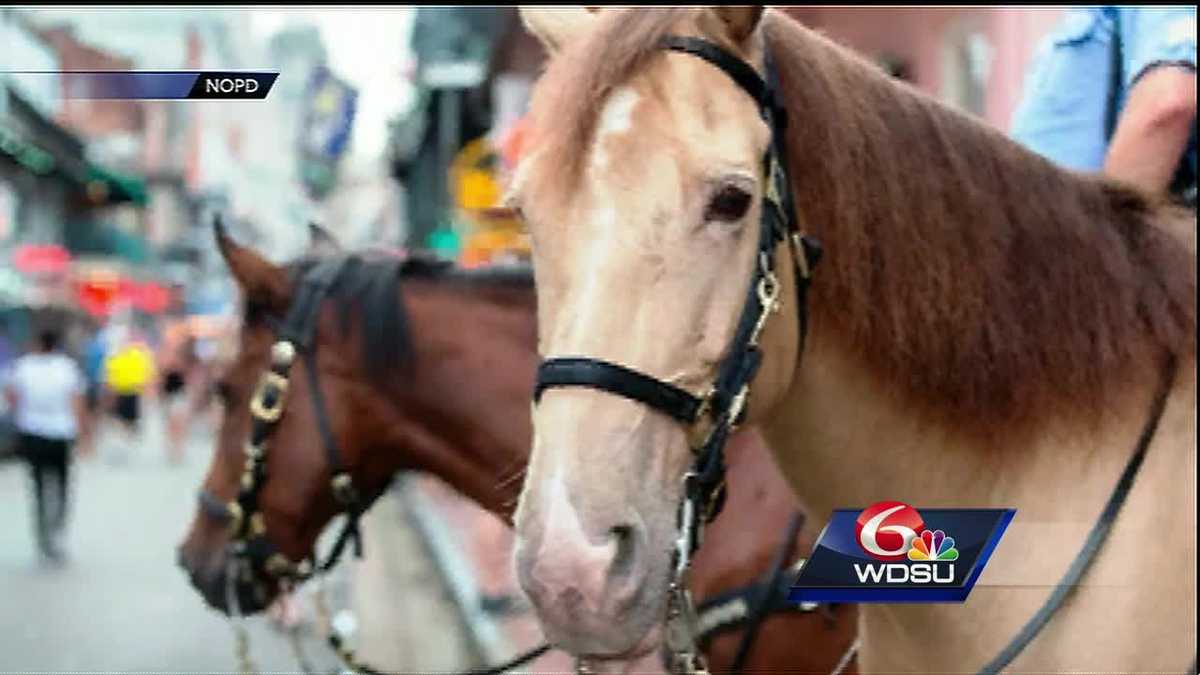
(27, 154)
(122, 187)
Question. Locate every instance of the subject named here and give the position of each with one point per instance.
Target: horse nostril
(623, 560)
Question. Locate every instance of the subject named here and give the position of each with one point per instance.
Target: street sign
(453, 74)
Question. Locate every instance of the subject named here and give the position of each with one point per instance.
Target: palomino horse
(987, 330)
(451, 401)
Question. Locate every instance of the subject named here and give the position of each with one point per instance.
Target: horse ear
(740, 20)
(556, 26)
(321, 241)
(260, 279)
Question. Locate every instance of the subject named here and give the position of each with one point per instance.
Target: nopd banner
(890, 552)
(163, 84)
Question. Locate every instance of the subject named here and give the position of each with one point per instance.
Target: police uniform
(1065, 101)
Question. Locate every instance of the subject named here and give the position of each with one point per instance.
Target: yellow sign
(493, 231)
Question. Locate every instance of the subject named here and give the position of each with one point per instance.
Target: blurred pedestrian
(1114, 89)
(177, 361)
(128, 371)
(94, 354)
(46, 391)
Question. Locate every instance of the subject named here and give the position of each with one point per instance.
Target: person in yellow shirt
(128, 370)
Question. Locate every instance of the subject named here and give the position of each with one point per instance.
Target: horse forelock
(982, 283)
(366, 294)
(571, 94)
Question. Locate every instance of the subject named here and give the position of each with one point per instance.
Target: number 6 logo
(885, 530)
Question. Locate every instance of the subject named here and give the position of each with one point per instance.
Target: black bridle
(254, 552)
(714, 415)
(724, 403)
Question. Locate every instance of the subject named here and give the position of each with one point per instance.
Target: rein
(714, 415)
(1095, 539)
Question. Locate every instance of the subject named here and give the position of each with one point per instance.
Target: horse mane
(368, 286)
(981, 283)
(577, 83)
(984, 283)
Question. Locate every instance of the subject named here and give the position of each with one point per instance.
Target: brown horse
(450, 403)
(986, 330)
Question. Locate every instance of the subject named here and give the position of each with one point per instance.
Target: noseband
(250, 545)
(714, 415)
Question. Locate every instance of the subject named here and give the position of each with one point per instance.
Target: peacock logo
(892, 531)
(933, 545)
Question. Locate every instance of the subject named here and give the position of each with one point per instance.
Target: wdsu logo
(890, 552)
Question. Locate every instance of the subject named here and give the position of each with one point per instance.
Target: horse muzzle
(230, 585)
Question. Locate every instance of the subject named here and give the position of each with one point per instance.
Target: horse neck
(986, 331)
(474, 353)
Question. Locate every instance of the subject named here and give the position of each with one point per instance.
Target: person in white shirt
(45, 391)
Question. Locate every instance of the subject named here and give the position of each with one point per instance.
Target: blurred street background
(394, 128)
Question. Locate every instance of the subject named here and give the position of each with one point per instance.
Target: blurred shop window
(966, 65)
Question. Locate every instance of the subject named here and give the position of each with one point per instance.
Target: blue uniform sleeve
(1061, 113)
(1157, 36)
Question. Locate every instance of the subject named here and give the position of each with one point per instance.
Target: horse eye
(222, 391)
(728, 205)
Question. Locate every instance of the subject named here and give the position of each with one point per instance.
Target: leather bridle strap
(616, 379)
(741, 72)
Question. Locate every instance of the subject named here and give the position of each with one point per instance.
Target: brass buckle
(278, 565)
(800, 254)
(235, 518)
(258, 405)
(710, 509)
(736, 406)
(768, 298)
(343, 489)
(772, 194)
(702, 425)
(254, 452)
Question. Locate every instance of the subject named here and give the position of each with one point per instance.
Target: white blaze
(616, 118)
